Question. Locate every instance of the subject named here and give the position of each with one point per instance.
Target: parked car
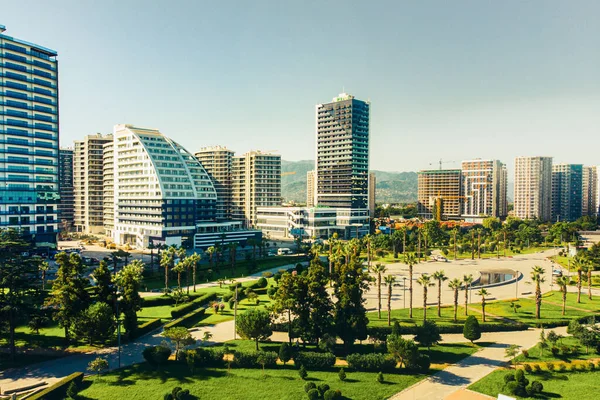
(283, 251)
(557, 272)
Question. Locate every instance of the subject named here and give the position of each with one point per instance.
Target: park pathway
(446, 383)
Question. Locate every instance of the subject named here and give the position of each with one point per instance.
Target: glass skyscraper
(29, 193)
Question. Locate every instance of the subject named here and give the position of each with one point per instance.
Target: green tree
(425, 281)
(472, 330)
(467, 281)
(95, 324)
(180, 336)
(69, 296)
(543, 343)
(537, 276)
(286, 298)
(410, 259)
(512, 351)
(320, 316)
(43, 268)
(405, 351)
(166, 261)
(440, 277)
(285, 352)
(563, 282)
(18, 283)
(194, 260)
(428, 334)
(389, 281)
(128, 281)
(455, 284)
(483, 293)
(579, 265)
(254, 324)
(179, 268)
(211, 252)
(104, 289)
(233, 256)
(379, 269)
(350, 314)
(97, 366)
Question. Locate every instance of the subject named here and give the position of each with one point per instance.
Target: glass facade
(29, 155)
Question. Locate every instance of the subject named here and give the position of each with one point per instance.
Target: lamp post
(516, 284)
(404, 292)
(118, 330)
(235, 312)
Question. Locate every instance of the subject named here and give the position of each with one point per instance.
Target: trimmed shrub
(227, 297)
(561, 367)
(232, 287)
(285, 352)
(206, 357)
(156, 355)
(58, 391)
(187, 320)
(243, 359)
(527, 368)
(156, 301)
(509, 377)
(472, 330)
(146, 327)
(424, 363)
(537, 368)
(380, 377)
(183, 309)
(525, 353)
(308, 386)
(332, 395)
(314, 361)
(371, 362)
(302, 373)
(536, 387)
(381, 332)
(555, 351)
(322, 388)
(313, 394)
(262, 283)
(550, 366)
(342, 374)
(72, 390)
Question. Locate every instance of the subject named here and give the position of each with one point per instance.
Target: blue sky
(453, 80)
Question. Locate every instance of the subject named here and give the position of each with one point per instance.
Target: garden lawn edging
(58, 391)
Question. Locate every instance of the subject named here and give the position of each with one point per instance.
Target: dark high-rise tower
(65, 181)
(342, 162)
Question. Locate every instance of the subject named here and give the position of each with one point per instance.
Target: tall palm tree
(379, 269)
(563, 282)
(479, 243)
(211, 252)
(589, 267)
(44, 267)
(537, 276)
(467, 280)
(151, 247)
(455, 285)
(410, 260)
(179, 268)
(194, 260)
(454, 232)
(252, 242)
(483, 293)
(166, 261)
(331, 244)
(440, 277)
(472, 244)
(425, 281)
(390, 280)
(368, 239)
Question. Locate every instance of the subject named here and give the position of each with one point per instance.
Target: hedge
(187, 320)
(371, 362)
(249, 359)
(156, 301)
(186, 308)
(206, 357)
(145, 328)
(381, 332)
(314, 361)
(58, 391)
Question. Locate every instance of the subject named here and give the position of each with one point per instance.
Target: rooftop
(37, 47)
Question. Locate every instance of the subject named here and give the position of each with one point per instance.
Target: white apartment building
(311, 188)
(484, 185)
(533, 188)
(312, 222)
(88, 185)
(160, 189)
(589, 198)
(217, 161)
(256, 182)
(108, 179)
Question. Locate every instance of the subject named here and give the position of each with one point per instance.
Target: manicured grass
(401, 315)
(535, 355)
(227, 314)
(549, 313)
(140, 382)
(509, 253)
(586, 303)
(565, 385)
(50, 337)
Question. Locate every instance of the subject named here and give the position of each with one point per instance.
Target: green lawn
(586, 303)
(140, 382)
(549, 313)
(401, 315)
(536, 356)
(565, 385)
(227, 314)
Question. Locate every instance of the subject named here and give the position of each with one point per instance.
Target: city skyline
(433, 87)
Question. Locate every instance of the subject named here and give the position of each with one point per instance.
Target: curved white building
(160, 189)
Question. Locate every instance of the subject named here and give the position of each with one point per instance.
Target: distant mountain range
(392, 187)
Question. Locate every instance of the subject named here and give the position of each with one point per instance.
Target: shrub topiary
(509, 377)
(72, 390)
(536, 368)
(322, 388)
(332, 395)
(342, 374)
(302, 373)
(550, 366)
(285, 352)
(561, 367)
(527, 368)
(525, 353)
(314, 361)
(262, 282)
(308, 386)
(371, 362)
(536, 387)
(313, 394)
(380, 377)
(471, 329)
(424, 363)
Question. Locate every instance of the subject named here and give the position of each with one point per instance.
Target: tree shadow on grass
(350, 380)
(448, 378)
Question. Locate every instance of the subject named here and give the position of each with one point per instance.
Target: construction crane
(440, 162)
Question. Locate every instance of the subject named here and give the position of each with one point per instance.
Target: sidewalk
(456, 377)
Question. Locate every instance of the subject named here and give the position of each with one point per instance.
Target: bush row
(312, 360)
(145, 328)
(156, 301)
(381, 332)
(203, 357)
(187, 320)
(58, 391)
(254, 359)
(371, 362)
(189, 307)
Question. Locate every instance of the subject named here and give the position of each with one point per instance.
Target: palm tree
(440, 277)
(379, 269)
(562, 282)
(252, 242)
(390, 280)
(483, 293)
(479, 243)
(368, 239)
(589, 267)
(425, 281)
(211, 252)
(467, 280)
(472, 244)
(455, 285)
(167, 259)
(232, 254)
(410, 260)
(44, 267)
(194, 259)
(537, 276)
(151, 247)
(454, 232)
(180, 267)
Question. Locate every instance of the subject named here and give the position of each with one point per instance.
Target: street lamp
(404, 292)
(516, 284)
(118, 330)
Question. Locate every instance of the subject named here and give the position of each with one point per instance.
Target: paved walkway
(446, 383)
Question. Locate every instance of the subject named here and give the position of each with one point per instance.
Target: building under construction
(440, 194)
